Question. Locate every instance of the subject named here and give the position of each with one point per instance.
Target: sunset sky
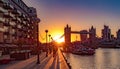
(79, 14)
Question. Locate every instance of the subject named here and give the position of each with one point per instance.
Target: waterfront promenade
(49, 62)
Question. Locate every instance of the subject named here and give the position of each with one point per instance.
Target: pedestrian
(55, 48)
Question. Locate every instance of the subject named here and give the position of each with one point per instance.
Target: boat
(84, 51)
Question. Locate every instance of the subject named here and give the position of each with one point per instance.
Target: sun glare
(58, 39)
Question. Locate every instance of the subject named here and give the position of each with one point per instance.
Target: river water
(102, 59)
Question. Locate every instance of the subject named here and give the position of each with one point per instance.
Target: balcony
(19, 26)
(14, 19)
(1, 10)
(6, 33)
(25, 19)
(23, 23)
(8, 7)
(12, 23)
(15, 11)
(1, 29)
(6, 24)
(7, 40)
(20, 29)
(20, 34)
(19, 20)
(14, 27)
(2, 2)
(14, 34)
(37, 20)
(7, 15)
(29, 28)
(24, 29)
(2, 20)
(21, 16)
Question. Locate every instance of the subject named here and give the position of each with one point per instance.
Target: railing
(64, 63)
(7, 15)
(21, 16)
(21, 51)
(6, 24)
(8, 6)
(14, 34)
(2, 1)
(14, 19)
(6, 33)
(14, 26)
(20, 55)
(15, 11)
(19, 20)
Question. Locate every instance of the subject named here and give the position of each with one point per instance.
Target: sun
(58, 39)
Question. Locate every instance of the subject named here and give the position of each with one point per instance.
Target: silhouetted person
(55, 48)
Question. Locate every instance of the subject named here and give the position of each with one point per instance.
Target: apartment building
(18, 23)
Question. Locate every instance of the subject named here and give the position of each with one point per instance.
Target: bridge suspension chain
(58, 38)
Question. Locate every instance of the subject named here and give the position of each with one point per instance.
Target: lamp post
(46, 43)
(38, 58)
(49, 43)
(49, 37)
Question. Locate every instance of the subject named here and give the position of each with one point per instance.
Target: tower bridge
(83, 34)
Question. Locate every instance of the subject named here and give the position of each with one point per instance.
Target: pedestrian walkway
(49, 62)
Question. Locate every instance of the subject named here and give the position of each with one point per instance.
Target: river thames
(102, 59)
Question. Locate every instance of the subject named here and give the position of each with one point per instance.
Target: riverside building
(118, 34)
(106, 33)
(18, 24)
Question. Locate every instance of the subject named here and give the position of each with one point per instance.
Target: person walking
(55, 49)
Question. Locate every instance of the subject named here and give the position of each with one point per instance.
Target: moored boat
(84, 51)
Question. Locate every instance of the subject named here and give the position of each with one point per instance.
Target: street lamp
(38, 58)
(49, 37)
(49, 43)
(46, 43)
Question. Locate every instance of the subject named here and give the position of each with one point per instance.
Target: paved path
(49, 62)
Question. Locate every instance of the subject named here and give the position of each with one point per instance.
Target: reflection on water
(102, 59)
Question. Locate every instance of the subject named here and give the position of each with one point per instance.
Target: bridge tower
(92, 36)
(67, 34)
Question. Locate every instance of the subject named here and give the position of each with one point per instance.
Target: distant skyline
(79, 14)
